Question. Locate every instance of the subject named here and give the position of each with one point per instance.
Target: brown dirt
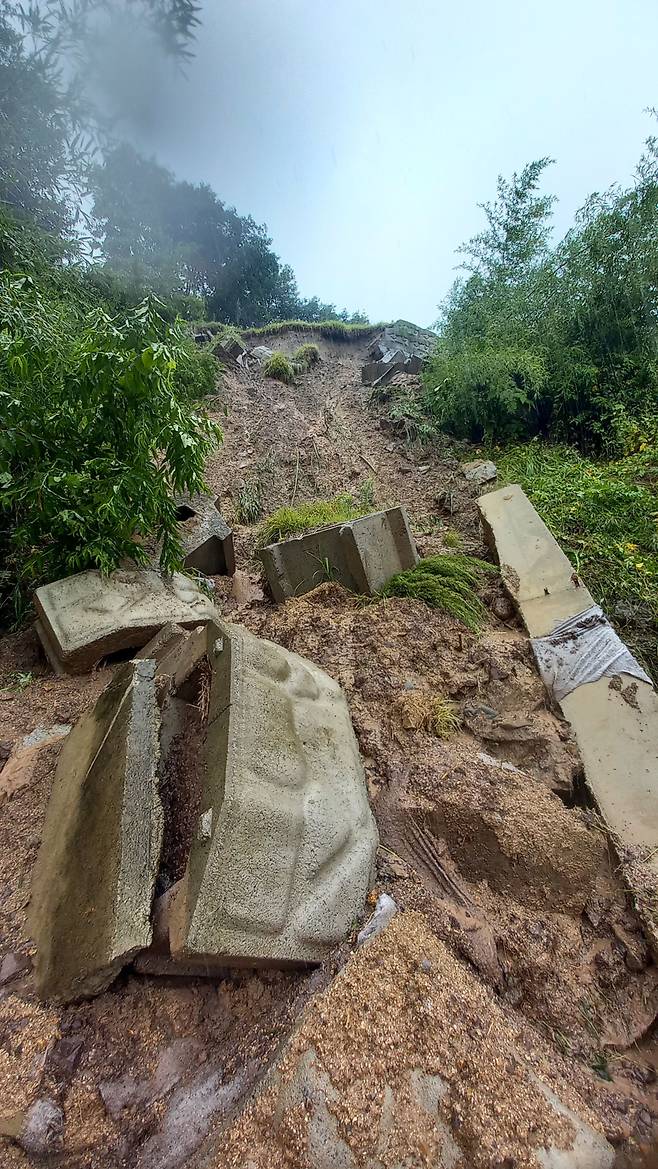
(514, 881)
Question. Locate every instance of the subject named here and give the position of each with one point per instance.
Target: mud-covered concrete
(95, 874)
(361, 555)
(84, 618)
(283, 855)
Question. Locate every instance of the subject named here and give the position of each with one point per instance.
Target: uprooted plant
(445, 582)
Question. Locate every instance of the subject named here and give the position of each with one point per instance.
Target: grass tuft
(451, 538)
(445, 582)
(306, 357)
(278, 367)
(248, 503)
(423, 712)
(293, 521)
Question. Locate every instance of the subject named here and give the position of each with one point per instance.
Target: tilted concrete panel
(284, 851)
(95, 874)
(361, 555)
(206, 537)
(617, 738)
(84, 618)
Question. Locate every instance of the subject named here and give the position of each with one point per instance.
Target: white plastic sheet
(583, 649)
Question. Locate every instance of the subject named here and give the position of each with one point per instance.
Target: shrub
(306, 357)
(196, 372)
(278, 367)
(445, 582)
(292, 521)
(97, 437)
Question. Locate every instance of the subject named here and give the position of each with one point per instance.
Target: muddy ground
(487, 835)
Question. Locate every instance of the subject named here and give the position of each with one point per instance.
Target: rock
(63, 1057)
(480, 471)
(95, 873)
(290, 857)
(246, 590)
(43, 1127)
(12, 966)
(361, 555)
(262, 353)
(206, 537)
(84, 618)
(19, 768)
(385, 911)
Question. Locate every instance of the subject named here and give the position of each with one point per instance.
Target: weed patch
(278, 367)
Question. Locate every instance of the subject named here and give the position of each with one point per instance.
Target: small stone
(42, 1131)
(12, 966)
(63, 1058)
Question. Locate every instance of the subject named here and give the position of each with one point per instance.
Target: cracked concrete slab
(206, 537)
(617, 739)
(84, 618)
(283, 855)
(95, 874)
(361, 555)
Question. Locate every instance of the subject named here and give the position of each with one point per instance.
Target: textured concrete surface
(84, 618)
(617, 738)
(95, 874)
(361, 555)
(205, 535)
(283, 855)
(538, 575)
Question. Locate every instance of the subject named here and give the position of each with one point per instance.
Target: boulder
(361, 555)
(83, 618)
(283, 854)
(100, 849)
(206, 537)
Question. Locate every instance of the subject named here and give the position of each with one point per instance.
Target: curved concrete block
(284, 851)
(95, 874)
(362, 555)
(84, 618)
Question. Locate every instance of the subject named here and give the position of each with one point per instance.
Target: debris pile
(399, 348)
(222, 771)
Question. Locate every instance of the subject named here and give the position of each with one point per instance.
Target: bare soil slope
(484, 835)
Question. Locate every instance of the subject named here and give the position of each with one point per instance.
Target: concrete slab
(95, 874)
(206, 537)
(361, 555)
(84, 618)
(617, 738)
(283, 854)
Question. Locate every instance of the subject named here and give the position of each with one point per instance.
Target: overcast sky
(365, 132)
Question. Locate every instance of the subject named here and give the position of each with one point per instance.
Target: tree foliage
(178, 236)
(100, 428)
(543, 339)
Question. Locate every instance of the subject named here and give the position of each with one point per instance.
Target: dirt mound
(406, 1059)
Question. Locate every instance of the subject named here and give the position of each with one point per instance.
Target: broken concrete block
(480, 471)
(617, 739)
(19, 768)
(95, 874)
(206, 537)
(262, 353)
(84, 618)
(283, 854)
(361, 555)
